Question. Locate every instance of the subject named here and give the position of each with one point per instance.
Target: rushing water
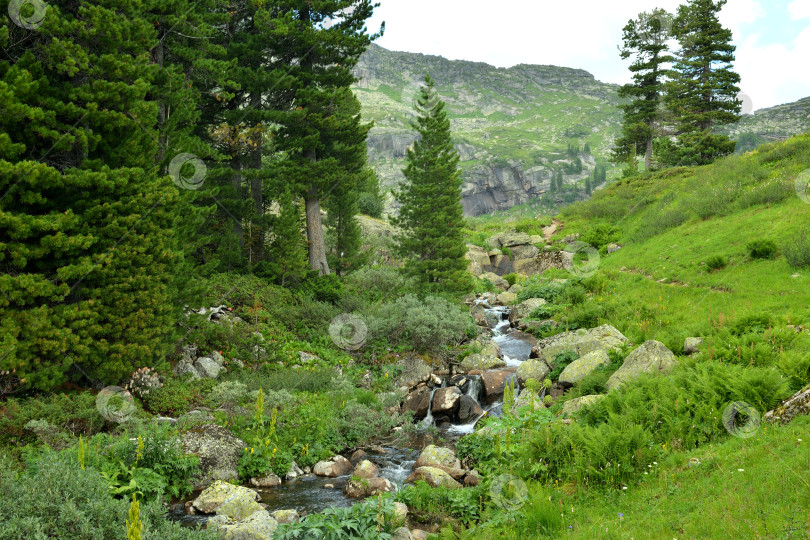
(309, 494)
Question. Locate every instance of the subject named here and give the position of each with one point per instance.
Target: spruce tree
(703, 93)
(319, 43)
(286, 260)
(646, 40)
(431, 214)
(588, 186)
(86, 220)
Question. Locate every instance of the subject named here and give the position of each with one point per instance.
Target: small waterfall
(474, 387)
(428, 420)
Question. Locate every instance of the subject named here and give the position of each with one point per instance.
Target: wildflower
(623, 488)
(740, 470)
(251, 450)
(620, 514)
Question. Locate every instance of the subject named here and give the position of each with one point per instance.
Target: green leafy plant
(762, 249)
(716, 262)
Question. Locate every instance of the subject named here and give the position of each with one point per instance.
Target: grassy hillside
(718, 252)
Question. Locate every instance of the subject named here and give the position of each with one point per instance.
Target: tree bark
(317, 249)
(648, 154)
(256, 182)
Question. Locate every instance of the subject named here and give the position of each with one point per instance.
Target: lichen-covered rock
(651, 357)
(270, 480)
(186, 368)
(286, 516)
(506, 298)
(434, 477)
(573, 405)
(797, 405)
(400, 511)
(581, 341)
(215, 495)
(437, 456)
(472, 478)
(219, 452)
(446, 400)
(413, 369)
(358, 488)
(402, 533)
(532, 369)
(258, 526)
(691, 345)
(365, 469)
(337, 466)
(524, 401)
(207, 367)
(583, 366)
(525, 308)
(496, 280)
(488, 358)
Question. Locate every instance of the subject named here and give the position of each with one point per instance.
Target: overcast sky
(772, 36)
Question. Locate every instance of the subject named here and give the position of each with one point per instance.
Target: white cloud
(585, 34)
(800, 9)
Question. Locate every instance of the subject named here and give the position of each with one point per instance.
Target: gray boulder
(691, 345)
(650, 357)
(219, 452)
(583, 366)
(207, 367)
(573, 405)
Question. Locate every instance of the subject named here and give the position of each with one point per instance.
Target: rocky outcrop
(219, 452)
(583, 366)
(223, 497)
(691, 345)
(413, 369)
(797, 405)
(468, 410)
(490, 357)
(259, 525)
(651, 357)
(417, 402)
(581, 341)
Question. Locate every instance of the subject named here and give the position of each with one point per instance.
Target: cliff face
(511, 126)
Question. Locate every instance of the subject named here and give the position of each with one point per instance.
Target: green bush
(797, 251)
(369, 519)
(57, 499)
(600, 235)
(561, 362)
(74, 413)
(420, 325)
(177, 397)
(370, 205)
(762, 249)
(327, 288)
(462, 504)
(716, 262)
(510, 278)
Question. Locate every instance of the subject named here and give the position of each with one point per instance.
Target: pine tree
(286, 260)
(646, 40)
(588, 186)
(88, 225)
(431, 214)
(703, 93)
(319, 43)
(587, 149)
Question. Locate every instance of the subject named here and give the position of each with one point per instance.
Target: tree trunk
(256, 183)
(648, 154)
(237, 186)
(317, 249)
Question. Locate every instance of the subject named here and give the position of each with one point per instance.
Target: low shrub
(327, 288)
(73, 413)
(57, 499)
(420, 325)
(462, 504)
(797, 251)
(762, 249)
(510, 278)
(374, 518)
(177, 397)
(716, 262)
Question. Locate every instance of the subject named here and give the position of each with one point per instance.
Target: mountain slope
(512, 126)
